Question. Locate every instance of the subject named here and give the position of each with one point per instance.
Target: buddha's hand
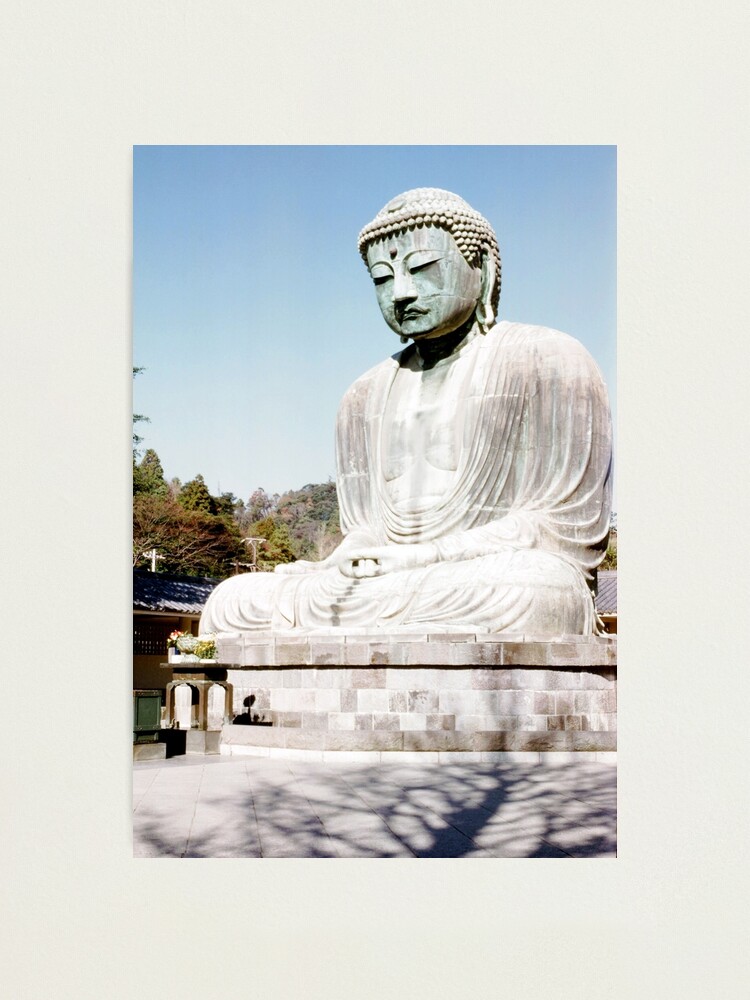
(341, 554)
(383, 559)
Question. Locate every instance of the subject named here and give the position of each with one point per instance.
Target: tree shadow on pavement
(504, 810)
(300, 809)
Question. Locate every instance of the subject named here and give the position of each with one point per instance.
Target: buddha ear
(485, 312)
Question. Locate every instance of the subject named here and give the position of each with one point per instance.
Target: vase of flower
(206, 647)
(173, 653)
(186, 645)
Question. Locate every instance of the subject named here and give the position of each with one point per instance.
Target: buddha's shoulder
(526, 339)
(374, 377)
(509, 334)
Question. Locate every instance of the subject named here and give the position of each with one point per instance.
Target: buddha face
(424, 285)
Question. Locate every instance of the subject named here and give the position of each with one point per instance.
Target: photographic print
(375, 532)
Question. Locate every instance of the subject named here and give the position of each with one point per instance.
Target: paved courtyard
(254, 807)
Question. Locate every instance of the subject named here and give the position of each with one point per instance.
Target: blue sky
(253, 312)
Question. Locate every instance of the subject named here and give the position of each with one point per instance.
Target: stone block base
(200, 741)
(149, 751)
(478, 742)
(437, 694)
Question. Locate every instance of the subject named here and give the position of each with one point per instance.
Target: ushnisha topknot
(420, 207)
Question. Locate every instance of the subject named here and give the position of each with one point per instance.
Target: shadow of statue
(247, 717)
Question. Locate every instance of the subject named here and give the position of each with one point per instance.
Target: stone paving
(253, 807)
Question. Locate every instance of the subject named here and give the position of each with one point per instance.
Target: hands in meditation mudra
(473, 467)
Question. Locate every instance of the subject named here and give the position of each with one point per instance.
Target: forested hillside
(183, 528)
(197, 533)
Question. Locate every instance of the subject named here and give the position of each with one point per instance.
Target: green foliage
(148, 475)
(205, 649)
(260, 505)
(193, 532)
(312, 518)
(194, 496)
(197, 533)
(610, 558)
(277, 547)
(228, 505)
(301, 524)
(189, 541)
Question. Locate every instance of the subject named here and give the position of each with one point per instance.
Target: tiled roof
(167, 592)
(606, 598)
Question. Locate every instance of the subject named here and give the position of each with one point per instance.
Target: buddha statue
(473, 467)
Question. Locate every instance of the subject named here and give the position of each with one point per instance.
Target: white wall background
(80, 84)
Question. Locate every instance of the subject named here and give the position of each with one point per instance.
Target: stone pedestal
(422, 692)
(200, 741)
(201, 737)
(149, 751)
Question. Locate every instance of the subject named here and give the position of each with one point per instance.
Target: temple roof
(169, 592)
(606, 598)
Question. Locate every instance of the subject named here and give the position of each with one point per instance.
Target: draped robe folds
(519, 528)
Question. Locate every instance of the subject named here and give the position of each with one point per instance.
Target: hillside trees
(311, 515)
(195, 532)
(194, 496)
(277, 546)
(148, 475)
(300, 524)
(610, 557)
(260, 505)
(192, 542)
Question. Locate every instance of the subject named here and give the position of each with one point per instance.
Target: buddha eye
(421, 260)
(413, 268)
(381, 273)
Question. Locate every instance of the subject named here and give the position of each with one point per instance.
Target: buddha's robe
(500, 455)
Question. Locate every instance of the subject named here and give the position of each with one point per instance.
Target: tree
(194, 495)
(610, 557)
(137, 418)
(228, 505)
(148, 475)
(312, 517)
(277, 547)
(191, 542)
(195, 532)
(206, 545)
(151, 519)
(322, 542)
(260, 505)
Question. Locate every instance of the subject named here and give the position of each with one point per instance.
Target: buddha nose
(404, 289)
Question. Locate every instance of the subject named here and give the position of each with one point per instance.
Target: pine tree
(148, 476)
(195, 496)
